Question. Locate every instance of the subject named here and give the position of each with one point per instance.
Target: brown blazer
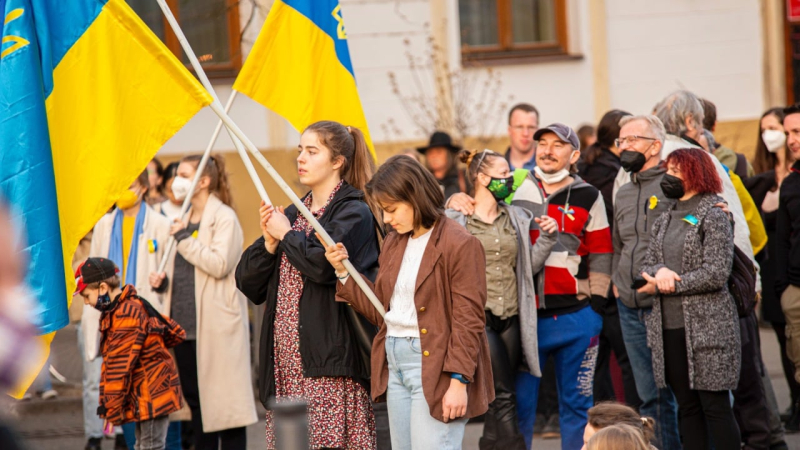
(450, 299)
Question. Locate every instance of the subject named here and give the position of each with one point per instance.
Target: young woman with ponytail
(511, 264)
(309, 343)
(214, 360)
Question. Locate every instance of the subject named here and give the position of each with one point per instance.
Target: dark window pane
(478, 22)
(151, 14)
(533, 21)
(205, 23)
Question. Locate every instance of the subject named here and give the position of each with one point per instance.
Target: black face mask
(631, 161)
(672, 186)
(103, 301)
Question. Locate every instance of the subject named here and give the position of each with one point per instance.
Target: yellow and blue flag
(88, 94)
(300, 66)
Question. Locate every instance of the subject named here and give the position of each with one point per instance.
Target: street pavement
(58, 424)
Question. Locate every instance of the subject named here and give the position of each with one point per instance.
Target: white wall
(710, 47)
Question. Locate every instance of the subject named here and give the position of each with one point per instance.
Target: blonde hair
(617, 437)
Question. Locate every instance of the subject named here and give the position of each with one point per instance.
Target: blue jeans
(657, 403)
(410, 421)
(573, 339)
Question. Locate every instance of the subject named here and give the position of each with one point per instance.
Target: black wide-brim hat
(440, 139)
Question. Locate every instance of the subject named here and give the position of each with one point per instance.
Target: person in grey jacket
(693, 330)
(637, 205)
(511, 263)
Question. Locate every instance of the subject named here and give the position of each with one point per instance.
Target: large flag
(300, 66)
(88, 94)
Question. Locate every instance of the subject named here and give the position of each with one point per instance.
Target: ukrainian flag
(88, 94)
(300, 66)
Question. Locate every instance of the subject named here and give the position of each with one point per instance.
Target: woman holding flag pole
(430, 359)
(214, 361)
(309, 345)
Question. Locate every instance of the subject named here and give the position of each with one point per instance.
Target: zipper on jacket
(636, 245)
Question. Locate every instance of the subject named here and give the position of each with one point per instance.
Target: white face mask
(551, 178)
(180, 187)
(773, 139)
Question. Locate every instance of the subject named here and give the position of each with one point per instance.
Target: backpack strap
(152, 311)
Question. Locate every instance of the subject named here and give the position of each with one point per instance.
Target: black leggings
(505, 348)
(699, 412)
(232, 439)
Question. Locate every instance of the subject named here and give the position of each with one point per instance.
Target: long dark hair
(607, 132)
(764, 160)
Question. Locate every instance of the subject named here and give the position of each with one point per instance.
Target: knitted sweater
(713, 342)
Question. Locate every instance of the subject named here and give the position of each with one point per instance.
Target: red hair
(697, 170)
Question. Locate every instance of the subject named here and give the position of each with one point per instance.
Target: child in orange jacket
(139, 381)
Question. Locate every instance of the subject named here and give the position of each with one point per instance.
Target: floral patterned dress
(339, 409)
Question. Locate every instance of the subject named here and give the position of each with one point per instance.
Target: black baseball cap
(93, 270)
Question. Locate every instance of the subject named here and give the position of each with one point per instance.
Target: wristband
(344, 277)
(459, 377)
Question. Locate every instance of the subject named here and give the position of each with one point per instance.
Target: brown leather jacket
(450, 300)
(139, 380)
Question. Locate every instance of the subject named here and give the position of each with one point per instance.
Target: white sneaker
(49, 394)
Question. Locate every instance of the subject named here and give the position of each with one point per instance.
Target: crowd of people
(601, 286)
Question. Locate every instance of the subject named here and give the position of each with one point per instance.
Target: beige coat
(156, 227)
(223, 336)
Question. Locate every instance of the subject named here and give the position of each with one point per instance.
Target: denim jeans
(657, 403)
(152, 434)
(410, 421)
(92, 423)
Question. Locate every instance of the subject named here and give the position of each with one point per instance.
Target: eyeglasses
(631, 140)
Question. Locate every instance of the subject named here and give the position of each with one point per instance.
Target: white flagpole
(187, 202)
(216, 106)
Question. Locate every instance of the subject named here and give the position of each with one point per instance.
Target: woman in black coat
(310, 345)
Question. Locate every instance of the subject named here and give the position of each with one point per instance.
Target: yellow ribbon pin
(194, 235)
(653, 202)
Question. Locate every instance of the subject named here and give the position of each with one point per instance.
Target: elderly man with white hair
(682, 115)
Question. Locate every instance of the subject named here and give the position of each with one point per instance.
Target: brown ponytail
(349, 143)
(215, 171)
(477, 162)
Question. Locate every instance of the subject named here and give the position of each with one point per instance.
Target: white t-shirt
(401, 319)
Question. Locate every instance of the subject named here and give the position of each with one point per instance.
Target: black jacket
(787, 251)
(601, 175)
(758, 186)
(330, 344)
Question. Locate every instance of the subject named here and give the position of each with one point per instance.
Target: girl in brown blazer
(430, 360)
